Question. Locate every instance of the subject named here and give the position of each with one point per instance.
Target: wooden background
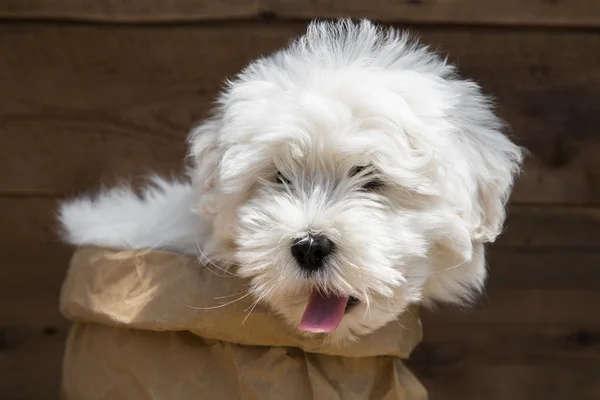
(98, 90)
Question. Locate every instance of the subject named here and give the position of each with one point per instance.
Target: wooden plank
(82, 156)
(31, 361)
(508, 12)
(508, 360)
(507, 305)
(111, 102)
(531, 226)
(575, 13)
(32, 331)
(514, 380)
(115, 114)
(28, 221)
(130, 11)
(546, 268)
(450, 343)
(31, 281)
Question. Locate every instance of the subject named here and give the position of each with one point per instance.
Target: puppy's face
(345, 194)
(330, 241)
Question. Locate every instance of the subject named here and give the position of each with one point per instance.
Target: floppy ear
(500, 161)
(205, 157)
(492, 160)
(493, 191)
(459, 263)
(480, 181)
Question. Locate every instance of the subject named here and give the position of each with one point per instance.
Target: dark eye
(370, 183)
(282, 180)
(357, 170)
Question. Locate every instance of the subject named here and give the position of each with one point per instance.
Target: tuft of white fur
(162, 216)
(344, 95)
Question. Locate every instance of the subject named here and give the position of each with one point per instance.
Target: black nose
(310, 252)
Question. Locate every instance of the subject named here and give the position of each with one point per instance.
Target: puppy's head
(351, 174)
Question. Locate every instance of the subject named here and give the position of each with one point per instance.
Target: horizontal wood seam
(269, 20)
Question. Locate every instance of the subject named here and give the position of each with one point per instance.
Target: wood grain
(131, 11)
(575, 13)
(531, 227)
(31, 361)
(518, 357)
(489, 12)
(518, 379)
(113, 102)
(32, 331)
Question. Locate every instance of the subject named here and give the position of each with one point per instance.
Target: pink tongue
(323, 312)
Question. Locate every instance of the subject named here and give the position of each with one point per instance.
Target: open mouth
(324, 312)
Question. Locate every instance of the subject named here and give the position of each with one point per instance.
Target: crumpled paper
(150, 324)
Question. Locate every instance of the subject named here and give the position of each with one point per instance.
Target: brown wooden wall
(93, 91)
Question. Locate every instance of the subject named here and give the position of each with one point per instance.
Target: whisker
(212, 263)
(213, 272)
(410, 313)
(229, 295)
(215, 307)
(255, 304)
(396, 319)
(281, 240)
(440, 271)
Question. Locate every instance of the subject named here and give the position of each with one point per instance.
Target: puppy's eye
(282, 180)
(357, 170)
(370, 183)
(373, 185)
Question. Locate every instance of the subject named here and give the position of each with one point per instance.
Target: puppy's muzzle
(310, 252)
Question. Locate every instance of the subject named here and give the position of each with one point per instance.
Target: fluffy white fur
(342, 96)
(160, 217)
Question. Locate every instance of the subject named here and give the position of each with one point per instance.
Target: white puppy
(347, 176)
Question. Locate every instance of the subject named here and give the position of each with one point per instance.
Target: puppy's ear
(205, 157)
(480, 174)
(492, 161)
(493, 190)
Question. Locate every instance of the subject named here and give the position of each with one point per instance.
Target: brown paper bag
(142, 331)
